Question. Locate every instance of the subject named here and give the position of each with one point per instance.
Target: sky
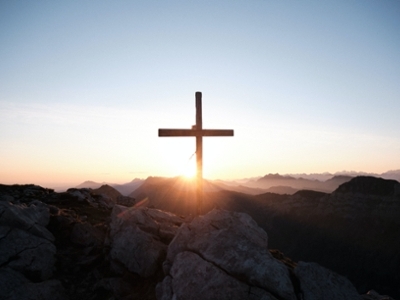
(307, 86)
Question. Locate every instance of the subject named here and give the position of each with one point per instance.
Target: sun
(189, 170)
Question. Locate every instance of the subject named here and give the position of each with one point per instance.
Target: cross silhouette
(197, 131)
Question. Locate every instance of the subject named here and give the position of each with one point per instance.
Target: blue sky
(308, 86)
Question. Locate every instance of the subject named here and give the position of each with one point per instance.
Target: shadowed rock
(139, 237)
(25, 244)
(233, 243)
(317, 282)
(14, 286)
(194, 276)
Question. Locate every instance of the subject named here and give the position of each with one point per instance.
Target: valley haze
(275, 183)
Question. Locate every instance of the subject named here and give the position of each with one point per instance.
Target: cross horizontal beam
(194, 132)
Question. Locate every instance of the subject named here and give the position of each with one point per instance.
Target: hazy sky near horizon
(308, 86)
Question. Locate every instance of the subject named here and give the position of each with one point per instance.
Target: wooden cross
(197, 131)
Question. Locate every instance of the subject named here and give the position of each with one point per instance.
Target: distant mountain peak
(271, 176)
(107, 190)
(89, 184)
(370, 185)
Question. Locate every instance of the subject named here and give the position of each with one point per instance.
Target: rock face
(224, 255)
(27, 252)
(14, 286)
(192, 277)
(139, 237)
(26, 245)
(317, 282)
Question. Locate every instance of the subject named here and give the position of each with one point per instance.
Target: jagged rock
(18, 194)
(372, 295)
(79, 194)
(104, 197)
(139, 237)
(26, 253)
(25, 244)
(14, 286)
(84, 234)
(126, 201)
(32, 219)
(317, 282)
(234, 244)
(192, 277)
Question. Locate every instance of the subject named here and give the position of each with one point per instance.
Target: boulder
(14, 286)
(84, 234)
(317, 282)
(373, 295)
(79, 194)
(139, 237)
(233, 244)
(192, 277)
(32, 219)
(25, 244)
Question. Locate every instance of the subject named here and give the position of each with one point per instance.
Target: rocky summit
(96, 244)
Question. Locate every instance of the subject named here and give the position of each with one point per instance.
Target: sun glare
(189, 171)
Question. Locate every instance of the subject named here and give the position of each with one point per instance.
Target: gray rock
(138, 251)
(25, 244)
(14, 286)
(192, 277)
(126, 201)
(79, 194)
(317, 282)
(32, 219)
(373, 295)
(84, 234)
(164, 289)
(235, 244)
(105, 201)
(139, 237)
(26, 253)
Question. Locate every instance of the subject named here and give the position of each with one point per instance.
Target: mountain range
(273, 183)
(125, 189)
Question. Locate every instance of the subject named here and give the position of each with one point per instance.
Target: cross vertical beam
(199, 153)
(198, 132)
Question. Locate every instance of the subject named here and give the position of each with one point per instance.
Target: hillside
(81, 244)
(353, 230)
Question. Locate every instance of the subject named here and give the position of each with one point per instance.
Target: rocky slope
(353, 231)
(83, 244)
